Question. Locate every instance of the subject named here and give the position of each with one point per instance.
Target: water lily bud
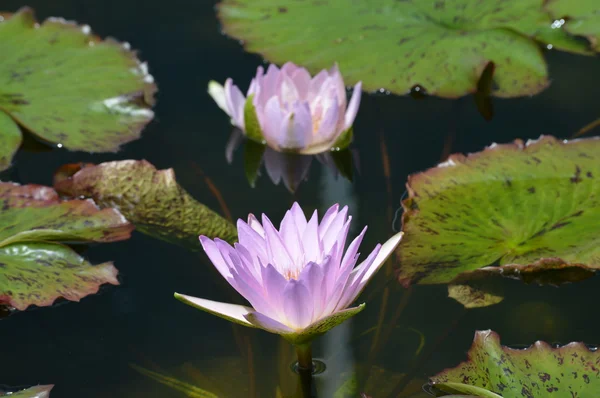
(291, 111)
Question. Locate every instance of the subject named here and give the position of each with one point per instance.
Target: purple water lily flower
(294, 112)
(299, 279)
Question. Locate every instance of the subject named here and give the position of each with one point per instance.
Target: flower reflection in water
(291, 168)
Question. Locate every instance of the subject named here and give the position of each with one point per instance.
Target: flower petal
(271, 121)
(313, 249)
(301, 79)
(264, 322)
(317, 83)
(363, 273)
(255, 225)
(312, 277)
(349, 286)
(253, 241)
(274, 283)
(276, 249)
(328, 218)
(340, 87)
(328, 131)
(256, 82)
(350, 255)
(217, 92)
(215, 256)
(353, 106)
(297, 303)
(296, 129)
(299, 217)
(386, 250)
(291, 237)
(268, 84)
(287, 92)
(231, 312)
(235, 101)
(336, 231)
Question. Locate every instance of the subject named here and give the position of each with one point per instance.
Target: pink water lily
(298, 279)
(290, 110)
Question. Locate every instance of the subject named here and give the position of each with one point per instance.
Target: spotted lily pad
(68, 87)
(151, 199)
(32, 392)
(442, 46)
(539, 371)
(36, 267)
(581, 18)
(524, 210)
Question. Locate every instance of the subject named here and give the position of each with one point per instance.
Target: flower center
(291, 273)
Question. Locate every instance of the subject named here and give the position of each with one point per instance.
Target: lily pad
(35, 268)
(538, 371)
(68, 87)
(581, 18)
(32, 392)
(524, 210)
(441, 46)
(151, 199)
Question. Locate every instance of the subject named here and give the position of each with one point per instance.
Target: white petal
(353, 106)
(235, 101)
(361, 274)
(217, 92)
(231, 312)
(385, 252)
(255, 225)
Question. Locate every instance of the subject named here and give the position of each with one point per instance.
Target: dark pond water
(86, 348)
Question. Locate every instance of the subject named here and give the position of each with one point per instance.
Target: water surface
(86, 348)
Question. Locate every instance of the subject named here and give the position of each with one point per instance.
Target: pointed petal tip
(217, 92)
(231, 312)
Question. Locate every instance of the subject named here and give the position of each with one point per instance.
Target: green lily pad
(68, 87)
(35, 268)
(441, 46)
(10, 140)
(151, 199)
(581, 18)
(528, 211)
(32, 392)
(538, 371)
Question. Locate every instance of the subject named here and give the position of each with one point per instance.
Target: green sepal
(344, 140)
(251, 123)
(321, 327)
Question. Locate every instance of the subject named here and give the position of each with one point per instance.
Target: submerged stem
(304, 353)
(305, 368)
